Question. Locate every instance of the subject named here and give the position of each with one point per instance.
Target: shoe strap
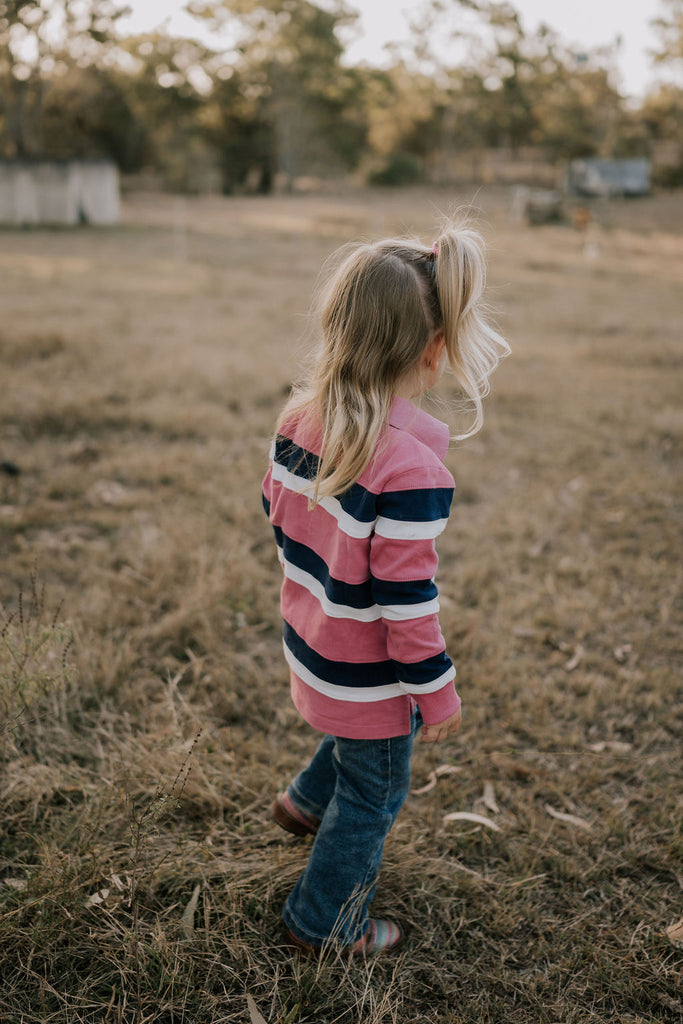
(295, 812)
(380, 935)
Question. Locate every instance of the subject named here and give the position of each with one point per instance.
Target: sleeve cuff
(436, 707)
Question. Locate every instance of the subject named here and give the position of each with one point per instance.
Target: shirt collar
(405, 416)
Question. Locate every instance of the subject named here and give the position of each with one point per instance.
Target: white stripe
(335, 611)
(400, 612)
(299, 485)
(398, 529)
(417, 688)
(356, 694)
(392, 612)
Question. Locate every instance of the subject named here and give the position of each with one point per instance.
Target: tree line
(274, 97)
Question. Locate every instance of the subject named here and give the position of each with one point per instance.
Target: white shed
(34, 192)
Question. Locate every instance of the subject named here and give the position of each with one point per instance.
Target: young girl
(357, 492)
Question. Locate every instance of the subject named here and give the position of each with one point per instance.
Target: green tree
(22, 55)
(577, 107)
(40, 41)
(235, 121)
(472, 77)
(87, 113)
(669, 29)
(288, 95)
(168, 86)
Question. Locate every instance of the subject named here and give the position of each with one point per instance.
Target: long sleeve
(403, 563)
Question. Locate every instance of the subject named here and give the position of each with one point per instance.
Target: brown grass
(140, 876)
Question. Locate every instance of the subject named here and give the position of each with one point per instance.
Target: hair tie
(435, 248)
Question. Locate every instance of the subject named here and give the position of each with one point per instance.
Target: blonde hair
(380, 308)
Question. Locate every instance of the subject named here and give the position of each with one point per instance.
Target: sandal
(289, 817)
(380, 937)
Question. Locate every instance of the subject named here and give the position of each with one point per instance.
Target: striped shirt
(358, 599)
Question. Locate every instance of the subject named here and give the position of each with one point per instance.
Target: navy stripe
(266, 503)
(355, 595)
(340, 673)
(421, 505)
(390, 592)
(296, 459)
(420, 672)
(365, 673)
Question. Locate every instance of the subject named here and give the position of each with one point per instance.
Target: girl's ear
(434, 349)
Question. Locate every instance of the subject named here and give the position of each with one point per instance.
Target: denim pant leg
(332, 896)
(312, 789)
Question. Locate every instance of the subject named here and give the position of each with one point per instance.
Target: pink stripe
(422, 640)
(346, 557)
(268, 483)
(403, 559)
(336, 639)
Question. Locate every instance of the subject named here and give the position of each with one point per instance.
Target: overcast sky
(588, 23)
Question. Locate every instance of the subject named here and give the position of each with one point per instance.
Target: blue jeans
(356, 788)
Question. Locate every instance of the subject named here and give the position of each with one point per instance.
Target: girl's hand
(437, 733)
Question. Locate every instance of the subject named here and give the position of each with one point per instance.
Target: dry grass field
(145, 720)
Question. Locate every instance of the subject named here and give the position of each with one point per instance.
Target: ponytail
(473, 347)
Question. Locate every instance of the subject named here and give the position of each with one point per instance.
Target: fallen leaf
(15, 883)
(187, 920)
(427, 786)
(571, 819)
(443, 769)
(108, 492)
(256, 1017)
(468, 816)
(575, 658)
(489, 798)
(97, 898)
(616, 746)
(675, 932)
